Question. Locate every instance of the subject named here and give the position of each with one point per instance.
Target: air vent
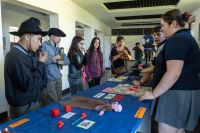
(139, 4)
(135, 31)
(138, 17)
(138, 24)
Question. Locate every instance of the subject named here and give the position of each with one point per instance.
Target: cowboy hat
(56, 32)
(31, 25)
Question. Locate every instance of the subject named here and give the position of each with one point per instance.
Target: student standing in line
(94, 68)
(178, 88)
(77, 61)
(53, 91)
(24, 71)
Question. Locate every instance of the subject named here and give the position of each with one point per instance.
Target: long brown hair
(91, 49)
(74, 45)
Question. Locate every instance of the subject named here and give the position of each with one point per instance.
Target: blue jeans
(76, 85)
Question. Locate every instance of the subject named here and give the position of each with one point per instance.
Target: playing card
(85, 124)
(108, 89)
(118, 97)
(68, 115)
(99, 95)
(110, 96)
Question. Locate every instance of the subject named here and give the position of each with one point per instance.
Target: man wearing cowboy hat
(24, 72)
(53, 91)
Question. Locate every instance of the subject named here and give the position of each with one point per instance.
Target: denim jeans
(76, 85)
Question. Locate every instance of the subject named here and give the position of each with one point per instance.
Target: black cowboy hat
(56, 32)
(31, 25)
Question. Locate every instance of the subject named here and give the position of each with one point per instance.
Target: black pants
(95, 81)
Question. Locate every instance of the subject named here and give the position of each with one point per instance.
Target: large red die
(68, 108)
(55, 112)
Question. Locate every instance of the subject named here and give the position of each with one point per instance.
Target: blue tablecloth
(41, 120)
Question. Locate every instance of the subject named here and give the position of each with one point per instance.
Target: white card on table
(99, 95)
(68, 115)
(85, 124)
(110, 96)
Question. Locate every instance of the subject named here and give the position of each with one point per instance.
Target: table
(41, 120)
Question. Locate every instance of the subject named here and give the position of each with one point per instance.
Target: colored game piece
(134, 88)
(83, 115)
(13, 125)
(55, 112)
(68, 108)
(60, 124)
(117, 107)
(118, 97)
(101, 112)
(140, 112)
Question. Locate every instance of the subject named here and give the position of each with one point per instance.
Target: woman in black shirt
(119, 56)
(178, 88)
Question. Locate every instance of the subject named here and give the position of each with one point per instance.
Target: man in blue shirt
(53, 91)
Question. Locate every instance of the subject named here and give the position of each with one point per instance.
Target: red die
(68, 108)
(60, 124)
(83, 115)
(55, 112)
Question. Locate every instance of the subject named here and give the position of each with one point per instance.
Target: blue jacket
(51, 68)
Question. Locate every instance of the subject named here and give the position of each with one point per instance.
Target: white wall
(196, 25)
(13, 16)
(3, 103)
(88, 36)
(107, 45)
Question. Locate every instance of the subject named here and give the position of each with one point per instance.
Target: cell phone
(40, 49)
